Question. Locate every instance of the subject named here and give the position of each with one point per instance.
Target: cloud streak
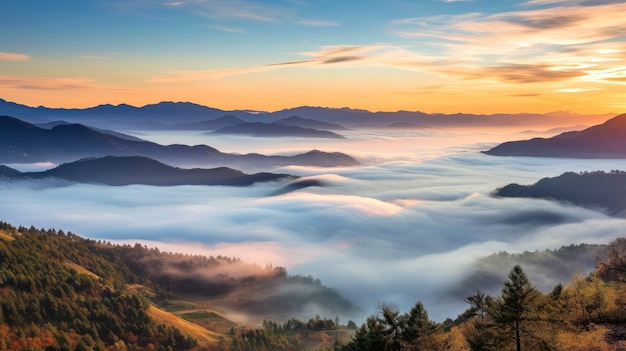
(317, 23)
(13, 56)
(541, 42)
(332, 56)
(575, 43)
(38, 83)
(225, 9)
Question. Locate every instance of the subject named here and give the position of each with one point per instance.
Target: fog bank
(397, 230)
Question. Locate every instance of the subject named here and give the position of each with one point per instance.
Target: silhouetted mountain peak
(619, 120)
(607, 140)
(590, 189)
(260, 129)
(128, 170)
(8, 172)
(8, 121)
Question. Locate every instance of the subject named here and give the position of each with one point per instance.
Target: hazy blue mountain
(258, 129)
(607, 140)
(598, 190)
(50, 125)
(403, 125)
(127, 170)
(22, 142)
(558, 130)
(213, 124)
(156, 116)
(8, 172)
(164, 112)
(310, 123)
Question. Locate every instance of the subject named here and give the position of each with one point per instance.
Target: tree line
(578, 316)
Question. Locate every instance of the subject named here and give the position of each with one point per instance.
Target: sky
(475, 56)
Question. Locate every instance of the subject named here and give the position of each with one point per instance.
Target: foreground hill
(258, 129)
(70, 293)
(597, 190)
(607, 140)
(22, 142)
(114, 170)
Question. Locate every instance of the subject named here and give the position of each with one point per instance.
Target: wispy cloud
(198, 75)
(557, 44)
(518, 73)
(236, 9)
(332, 55)
(317, 23)
(532, 45)
(227, 29)
(56, 84)
(214, 9)
(577, 90)
(572, 2)
(12, 56)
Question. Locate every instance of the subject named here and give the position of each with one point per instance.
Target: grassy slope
(204, 336)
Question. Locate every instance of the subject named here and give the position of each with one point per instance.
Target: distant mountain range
(212, 124)
(276, 129)
(172, 114)
(596, 190)
(607, 140)
(112, 170)
(230, 120)
(22, 142)
(310, 123)
(50, 125)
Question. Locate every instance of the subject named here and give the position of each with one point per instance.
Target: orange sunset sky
(432, 56)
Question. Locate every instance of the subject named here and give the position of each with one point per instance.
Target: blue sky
(534, 55)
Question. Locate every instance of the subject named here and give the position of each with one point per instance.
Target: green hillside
(59, 291)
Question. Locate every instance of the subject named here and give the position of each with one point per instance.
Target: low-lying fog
(404, 227)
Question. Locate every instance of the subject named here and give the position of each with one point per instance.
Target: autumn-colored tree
(612, 266)
(479, 329)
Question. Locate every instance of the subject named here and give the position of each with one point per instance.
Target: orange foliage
(593, 340)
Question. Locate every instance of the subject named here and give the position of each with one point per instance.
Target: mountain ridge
(604, 140)
(595, 190)
(168, 113)
(276, 129)
(22, 142)
(129, 170)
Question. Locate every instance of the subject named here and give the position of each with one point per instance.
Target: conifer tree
(516, 304)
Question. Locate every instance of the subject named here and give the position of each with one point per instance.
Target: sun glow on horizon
(447, 57)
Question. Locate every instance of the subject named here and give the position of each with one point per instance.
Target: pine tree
(516, 303)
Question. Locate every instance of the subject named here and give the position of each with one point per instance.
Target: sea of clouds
(406, 226)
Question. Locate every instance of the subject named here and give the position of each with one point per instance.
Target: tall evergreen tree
(516, 303)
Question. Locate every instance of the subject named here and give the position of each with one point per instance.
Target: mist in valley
(410, 224)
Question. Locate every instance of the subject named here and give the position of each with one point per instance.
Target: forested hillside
(49, 301)
(64, 292)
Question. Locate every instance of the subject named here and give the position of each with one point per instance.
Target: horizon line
(253, 111)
